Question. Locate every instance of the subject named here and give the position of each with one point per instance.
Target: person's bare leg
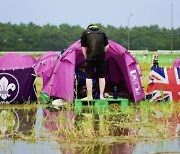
(89, 89)
(102, 87)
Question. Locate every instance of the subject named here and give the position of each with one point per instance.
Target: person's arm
(106, 47)
(84, 52)
(84, 44)
(106, 42)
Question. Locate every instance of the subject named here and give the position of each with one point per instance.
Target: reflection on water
(58, 120)
(17, 120)
(18, 147)
(99, 147)
(169, 146)
(47, 130)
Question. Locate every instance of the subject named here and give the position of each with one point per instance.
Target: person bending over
(94, 43)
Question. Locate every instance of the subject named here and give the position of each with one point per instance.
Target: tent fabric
(176, 63)
(122, 67)
(16, 61)
(17, 78)
(46, 62)
(61, 83)
(17, 86)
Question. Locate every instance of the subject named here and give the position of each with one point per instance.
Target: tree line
(32, 37)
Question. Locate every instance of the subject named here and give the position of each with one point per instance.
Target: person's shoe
(58, 102)
(106, 95)
(102, 98)
(87, 99)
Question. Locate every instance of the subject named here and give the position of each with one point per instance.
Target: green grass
(164, 59)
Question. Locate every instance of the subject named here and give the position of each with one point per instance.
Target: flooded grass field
(144, 127)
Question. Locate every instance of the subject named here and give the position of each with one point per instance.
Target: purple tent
(46, 63)
(176, 63)
(122, 69)
(14, 60)
(17, 78)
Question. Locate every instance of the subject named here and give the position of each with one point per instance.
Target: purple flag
(17, 86)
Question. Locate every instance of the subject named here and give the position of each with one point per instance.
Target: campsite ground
(142, 128)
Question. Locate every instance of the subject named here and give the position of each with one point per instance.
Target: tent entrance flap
(114, 77)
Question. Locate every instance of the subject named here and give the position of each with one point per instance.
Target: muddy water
(41, 147)
(34, 131)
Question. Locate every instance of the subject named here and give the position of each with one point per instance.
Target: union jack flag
(164, 84)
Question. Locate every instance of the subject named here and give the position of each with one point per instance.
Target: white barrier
(138, 51)
(26, 52)
(159, 51)
(131, 51)
(168, 51)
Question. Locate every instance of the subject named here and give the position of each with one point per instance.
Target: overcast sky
(83, 12)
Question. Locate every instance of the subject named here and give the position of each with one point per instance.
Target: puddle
(40, 147)
(17, 147)
(43, 130)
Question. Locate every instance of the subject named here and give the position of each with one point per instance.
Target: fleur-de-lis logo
(5, 86)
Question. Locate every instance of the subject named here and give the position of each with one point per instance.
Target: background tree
(32, 37)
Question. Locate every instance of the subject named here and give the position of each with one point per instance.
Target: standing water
(40, 129)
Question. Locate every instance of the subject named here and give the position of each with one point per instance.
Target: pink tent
(46, 62)
(16, 61)
(122, 69)
(176, 63)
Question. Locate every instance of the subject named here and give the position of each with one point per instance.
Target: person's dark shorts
(98, 66)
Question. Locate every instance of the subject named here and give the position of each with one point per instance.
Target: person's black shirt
(95, 40)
